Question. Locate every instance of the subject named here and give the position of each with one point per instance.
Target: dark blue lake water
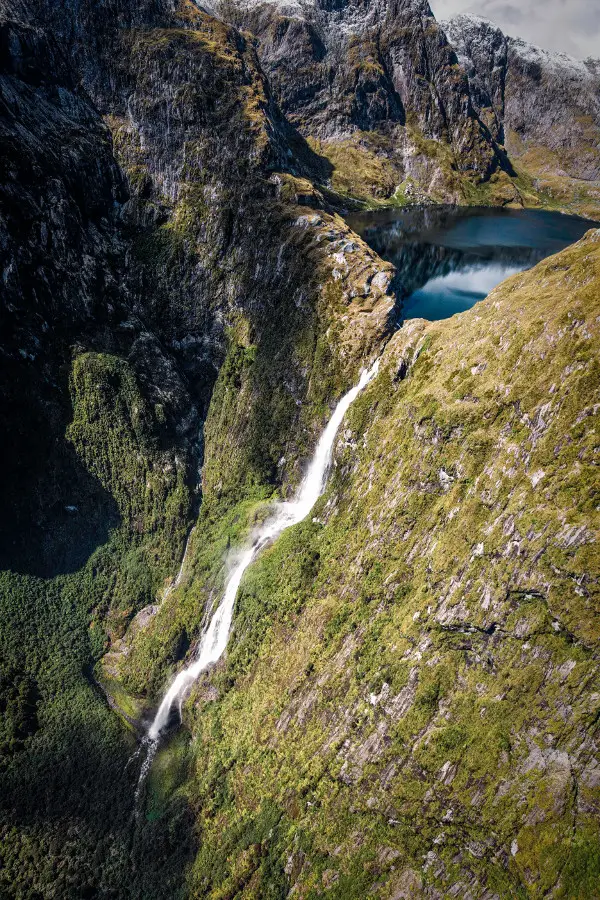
(448, 258)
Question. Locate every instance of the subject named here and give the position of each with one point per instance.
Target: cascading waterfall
(214, 639)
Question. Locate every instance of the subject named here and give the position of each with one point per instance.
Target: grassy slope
(370, 169)
(409, 700)
(383, 170)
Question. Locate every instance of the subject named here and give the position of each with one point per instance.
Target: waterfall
(214, 639)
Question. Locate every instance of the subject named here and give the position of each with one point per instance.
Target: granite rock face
(342, 69)
(408, 108)
(531, 98)
(352, 64)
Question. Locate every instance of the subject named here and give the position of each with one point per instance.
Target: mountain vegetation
(408, 706)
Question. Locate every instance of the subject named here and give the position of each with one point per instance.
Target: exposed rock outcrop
(544, 106)
(344, 71)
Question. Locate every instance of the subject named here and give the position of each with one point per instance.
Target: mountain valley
(407, 705)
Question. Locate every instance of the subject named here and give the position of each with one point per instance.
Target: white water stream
(214, 640)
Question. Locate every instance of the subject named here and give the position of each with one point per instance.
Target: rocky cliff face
(178, 290)
(406, 108)
(68, 289)
(143, 250)
(544, 106)
(365, 65)
(378, 80)
(154, 247)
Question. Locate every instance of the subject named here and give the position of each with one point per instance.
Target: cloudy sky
(569, 25)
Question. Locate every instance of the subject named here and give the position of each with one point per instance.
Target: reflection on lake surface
(448, 258)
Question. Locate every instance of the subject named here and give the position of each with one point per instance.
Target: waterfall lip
(285, 514)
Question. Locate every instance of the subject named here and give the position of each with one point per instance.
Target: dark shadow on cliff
(73, 778)
(54, 513)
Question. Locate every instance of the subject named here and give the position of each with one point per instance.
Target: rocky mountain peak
(343, 70)
(537, 100)
(482, 50)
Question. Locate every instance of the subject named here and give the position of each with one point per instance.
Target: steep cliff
(543, 106)
(191, 238)
(406, 108)
(140, 259)
(377, 89)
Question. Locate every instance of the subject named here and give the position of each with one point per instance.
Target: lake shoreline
(447, 258)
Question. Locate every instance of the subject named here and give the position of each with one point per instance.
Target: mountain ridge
(543, 98)
(182, 306)
(371, 85)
